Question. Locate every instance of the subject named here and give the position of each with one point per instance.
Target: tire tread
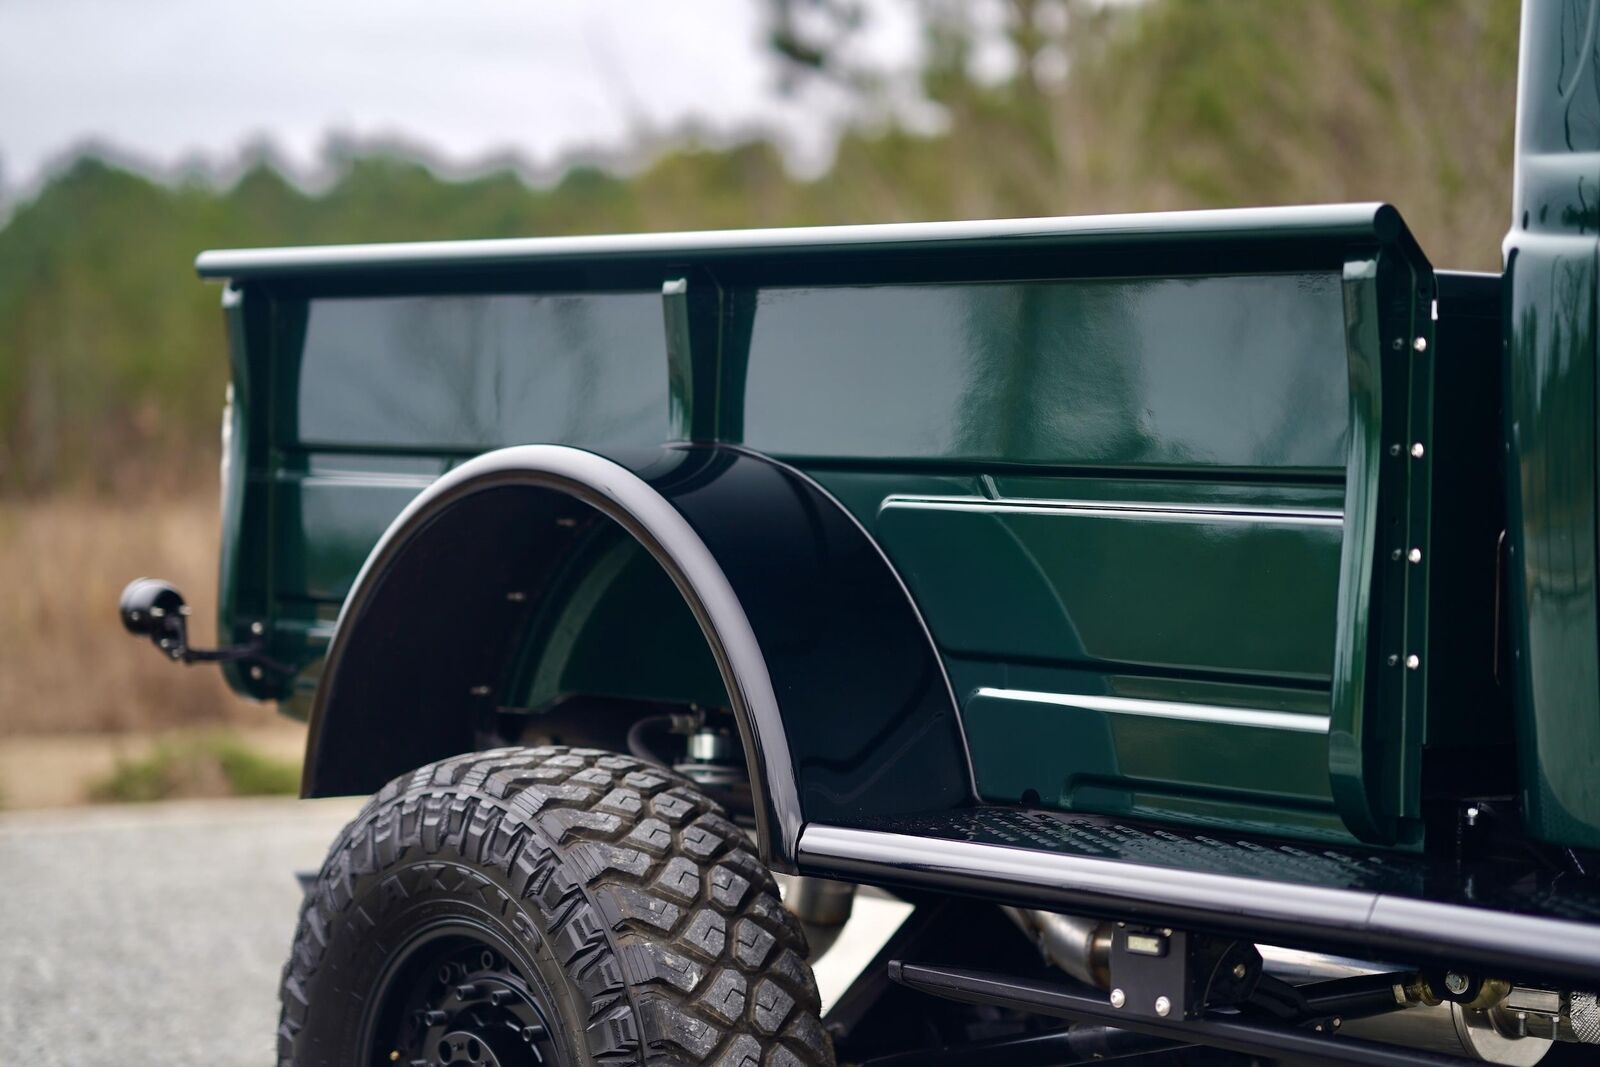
(668, 924)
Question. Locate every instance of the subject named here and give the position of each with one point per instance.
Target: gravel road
(151, 934)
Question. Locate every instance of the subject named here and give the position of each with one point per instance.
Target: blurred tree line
(111, 353)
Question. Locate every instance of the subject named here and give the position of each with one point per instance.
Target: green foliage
(111, 354)
(205, 767)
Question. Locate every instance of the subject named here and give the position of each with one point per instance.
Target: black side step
(1073, 1001)
(1502, 918)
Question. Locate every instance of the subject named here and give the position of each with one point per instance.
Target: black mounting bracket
(1161, 972)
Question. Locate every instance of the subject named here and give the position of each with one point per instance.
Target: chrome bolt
(1413, 661)
(255, 674)
(1472, 814)
(257, 629)
(1393, 659)
(1118, 998)
(1417, 451)
(1240, 970)
(1337, 1022)
(1163, 1007)
(1395, 555)
(1420, 344)
(1456, 983)
(1415, 555)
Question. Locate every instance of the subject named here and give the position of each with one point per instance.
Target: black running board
(1369, 904)
(1082, 1003)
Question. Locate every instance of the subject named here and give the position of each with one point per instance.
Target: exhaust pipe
(823, 907)
(1079, 946)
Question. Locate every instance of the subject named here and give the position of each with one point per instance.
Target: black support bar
(1073, 1001)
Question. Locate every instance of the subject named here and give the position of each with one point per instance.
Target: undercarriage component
(1583, 1014)
(1163, 974)
(1076, 1044)
(1075, 1001)
(823, 906)
(1079, 946)
(1166, 973)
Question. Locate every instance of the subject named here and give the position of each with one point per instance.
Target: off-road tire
(668, 942)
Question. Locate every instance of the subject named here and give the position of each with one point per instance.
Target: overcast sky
(173, 80)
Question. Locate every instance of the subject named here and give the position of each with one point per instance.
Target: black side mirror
(155, 609)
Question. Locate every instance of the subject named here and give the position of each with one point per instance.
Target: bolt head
(1456, 983)
(1118, 998)
(1240, 970)
(1163, 1007)
(1413, 661)
(1417, 451)
(257, 629)
(255, 674)
(1415, 555)
(1420, 344)
(1472, 814)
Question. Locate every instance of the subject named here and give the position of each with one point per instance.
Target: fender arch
(842, 703)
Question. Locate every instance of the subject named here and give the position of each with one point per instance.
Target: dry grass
(66, 665)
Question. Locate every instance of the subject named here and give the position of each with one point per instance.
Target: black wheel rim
(456, 996)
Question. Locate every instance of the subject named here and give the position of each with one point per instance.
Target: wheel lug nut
(435, 1018)
(501, 996)
(533, 1032)
(467, 991)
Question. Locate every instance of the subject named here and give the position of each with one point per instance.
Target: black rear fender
(842, 704)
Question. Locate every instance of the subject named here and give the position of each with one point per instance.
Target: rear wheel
(547, 906)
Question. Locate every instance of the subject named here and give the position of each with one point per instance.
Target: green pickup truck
(1193, 616)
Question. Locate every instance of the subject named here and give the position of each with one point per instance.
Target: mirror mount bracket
(154, 608)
